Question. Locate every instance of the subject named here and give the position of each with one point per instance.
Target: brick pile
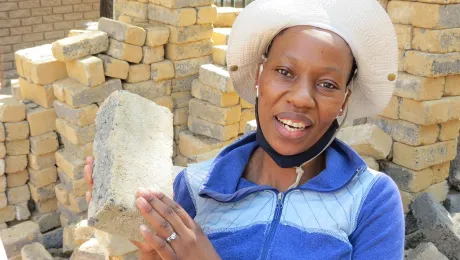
(25, 24)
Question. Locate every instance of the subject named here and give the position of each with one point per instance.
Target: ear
(345, 102)
(257, 75)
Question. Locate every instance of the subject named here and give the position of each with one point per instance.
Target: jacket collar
(224, 183)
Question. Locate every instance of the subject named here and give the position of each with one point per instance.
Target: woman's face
(302, 87)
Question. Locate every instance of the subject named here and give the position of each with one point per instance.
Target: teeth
(293, 124)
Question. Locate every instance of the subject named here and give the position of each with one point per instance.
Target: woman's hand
(168, 217)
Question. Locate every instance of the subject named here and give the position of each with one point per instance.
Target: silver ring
(172, 237)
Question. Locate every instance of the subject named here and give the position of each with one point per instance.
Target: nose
(301, 94)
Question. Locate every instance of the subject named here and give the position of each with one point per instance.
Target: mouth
(292, 126)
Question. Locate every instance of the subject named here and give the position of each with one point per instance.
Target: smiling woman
(291, 190)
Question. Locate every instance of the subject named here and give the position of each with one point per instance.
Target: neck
(264, 171)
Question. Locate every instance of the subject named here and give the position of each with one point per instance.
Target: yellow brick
(80, 46)
(216, 131)
(188, 50)
(425, 112)
(17, 179)
(190, 33)
(392, 109)
(62, 194)
(404, 34)
(39, 94)
(180, 116)
(124, 51)
(181, 160)
(165, 101)
(214, 96)
(220, 36)
(449, 130)
(435, 16)
(191, 145)
(206, 14)
(401, 55)
(149, 89)
(77, 32)
(43, 144)
(46, 206)
(406, 198)
(156, 35)
(39, 162)
(436, 41)
(122, 32)
(218, 115)
(400, 12)
(17, 147)
(162, 70)
(454, 107)
(114, 68)
(152, 54)
(419, 88)
(408, 180)
(440, 172)
(70, 165)
(370, 162)
(78, 150)
(181, 99)
(216, 77)
(15, 163)
(406, 132)
(431, 65)
(138, 73)
(88, 71)
(41, 120)
(182, 3)
(41, 178)
(421, 157)
(79, 116)
(452, 86)
(246, 116)
(189, 67)
(2, 150)
(11, 110)
(16, 130)
(74, 133)
(226, 16)
(132, 8)
(245, 104)
(219, 55)
(176, 17)
(438, 191)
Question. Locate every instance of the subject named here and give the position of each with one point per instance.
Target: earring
(341, 110)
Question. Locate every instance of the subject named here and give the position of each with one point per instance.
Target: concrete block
(80, 46)
(83, 232)
(74, 133)
(206, 14)
(132, 8)
(35, 251)
(90, 250)
(188, 50)
(219, 55)
(89, 71)
(77, 95)
(122, 109)
(114, 68)
(152, 54)
(46, 206)
(7, 214)
(17, 147)
(22, 211)
(183, 84)
(46, 221)
(148, 89)
(41, 120)
(138, 73)
(192, 33)
(407, 179)
(191, 145)
(162, 70)
(125, 51)
(78, 187)
(218, 115)
(226, 16)
(435, 16)
(78, 116)
(425, 112)
(189, 67)
(367, 140)
(77, 204)
(40, 162)
(419, 88)
(430, 64)
(421, 157)
(213, 95)
(426, 251)
(122, 32)
(40, 94)
(220, 36)
(175, 17)
(115, 245)
(436, 41)
(435, 223)
(62, 194)
(180, 116)
(16, 237)
(43, 144)
(16, 130)
(156, 35)
(69, 164)
(18, 194)
(11, 110)
(216, 77)
(181, 99)
(439, 191)
(15, 163)
(17, 178)
(53, 239)
(41, 178)
(452, 203)
(216, 131)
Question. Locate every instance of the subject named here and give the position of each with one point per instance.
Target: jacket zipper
(273, 225)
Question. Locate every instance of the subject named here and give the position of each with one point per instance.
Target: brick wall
(29, 23)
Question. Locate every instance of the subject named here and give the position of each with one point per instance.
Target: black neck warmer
(296, 160)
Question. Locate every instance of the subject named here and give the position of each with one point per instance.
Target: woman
(291, 190)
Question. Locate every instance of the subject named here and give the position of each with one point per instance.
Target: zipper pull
(280, 196)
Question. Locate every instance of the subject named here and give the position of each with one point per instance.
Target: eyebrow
(328, 68)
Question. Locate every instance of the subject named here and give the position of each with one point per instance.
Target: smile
(290, 125)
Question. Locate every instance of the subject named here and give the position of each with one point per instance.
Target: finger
(167, 213)
(183, 215)
(158, 223)
(160, 245)
(88, 171)
(145, 250)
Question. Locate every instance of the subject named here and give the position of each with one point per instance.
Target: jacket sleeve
(379, 232)
(182, 194)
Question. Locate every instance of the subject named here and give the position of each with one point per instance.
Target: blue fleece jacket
(348, 211)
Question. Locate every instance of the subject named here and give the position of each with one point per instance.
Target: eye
(284, 72)
(327, 85)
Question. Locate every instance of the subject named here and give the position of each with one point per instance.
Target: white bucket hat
(363, 24)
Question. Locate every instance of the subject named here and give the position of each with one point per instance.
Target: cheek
(328, 110)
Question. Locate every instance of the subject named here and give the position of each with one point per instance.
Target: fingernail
(143, 228)
(142, 191)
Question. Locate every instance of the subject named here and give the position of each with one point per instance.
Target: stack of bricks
(188, 46)
(423, 115)
(25, 24)
(217, 116)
